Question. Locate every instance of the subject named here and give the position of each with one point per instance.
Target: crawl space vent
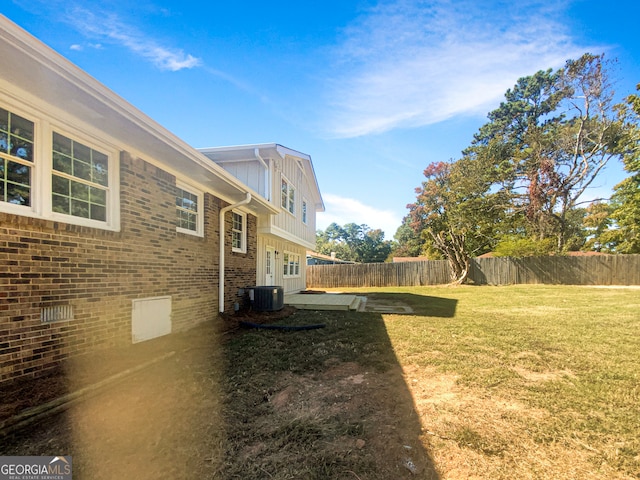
(56, 313)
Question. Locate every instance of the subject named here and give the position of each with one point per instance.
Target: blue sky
(373, 91)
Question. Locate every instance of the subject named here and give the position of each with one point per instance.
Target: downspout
(267, 179)
(256, 152)
(221, 273)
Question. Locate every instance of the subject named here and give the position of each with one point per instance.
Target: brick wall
(240, 268)
(99, 273)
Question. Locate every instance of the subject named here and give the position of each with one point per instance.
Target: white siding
(252, 174)
(283, 231)
(292, 223)
(290, 285)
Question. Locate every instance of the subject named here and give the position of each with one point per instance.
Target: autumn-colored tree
(527, 169)
(454, 208)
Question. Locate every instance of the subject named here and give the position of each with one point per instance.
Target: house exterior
(112, 229)
(285, 179)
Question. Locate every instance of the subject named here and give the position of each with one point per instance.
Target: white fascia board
(83, 93)
(284, 235)
(308, 171)
(280, 150)
(234, 148)
(283, 151)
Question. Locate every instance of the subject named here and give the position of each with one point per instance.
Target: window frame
(291, 264)
(34, 167)
(112, 221)
(76, 179)
(242, 232)
(199, 213)
(41, 202)
(286, 202)
(305, 211)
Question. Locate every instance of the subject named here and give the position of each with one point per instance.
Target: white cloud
(415, 63)
(343, 210)
(109, 28)
(79, 48)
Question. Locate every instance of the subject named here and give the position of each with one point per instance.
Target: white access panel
(150, 318)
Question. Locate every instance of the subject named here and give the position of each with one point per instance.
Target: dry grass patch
(532, 382)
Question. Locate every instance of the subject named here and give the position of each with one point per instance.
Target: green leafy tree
(598, 224)
(512, 245)
(523, 247)
(547, 142)
(576, 230)
(408, 242)
(357, 243)
(625, 201)
(331, 240)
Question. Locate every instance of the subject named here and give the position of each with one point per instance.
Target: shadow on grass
(422, 305)
(327, 404)
(323, 404)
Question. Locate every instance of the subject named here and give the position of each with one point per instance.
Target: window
(239, 233)
(291, 264)
(16, 158)
(189, 211)
(304, 211)
(80, 179)
(48, 171)
(288, 196)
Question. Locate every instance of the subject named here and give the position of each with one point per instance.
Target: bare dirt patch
(189, 416)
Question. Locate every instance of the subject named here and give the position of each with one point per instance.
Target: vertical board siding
(290, 284)
(286, 221)
(593, 270)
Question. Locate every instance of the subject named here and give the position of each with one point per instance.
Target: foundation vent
(56, 313)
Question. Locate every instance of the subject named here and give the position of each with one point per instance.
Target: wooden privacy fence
(592, 270)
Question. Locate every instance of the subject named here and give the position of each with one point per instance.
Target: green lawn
(552, 368)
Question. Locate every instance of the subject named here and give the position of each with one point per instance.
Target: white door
(269, 265)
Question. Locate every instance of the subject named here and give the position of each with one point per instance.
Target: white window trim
(113, 191)
(295, 256)
(42, 170)
(243, 241)
(287, 207)
(199, 231)
(35, 209)
(305, 211)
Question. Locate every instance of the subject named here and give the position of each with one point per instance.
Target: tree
(625, 201)
(598, 222)
(408, 242)
(519, 247)
(356, 243)
(454, 208)
(548, 141)
(576, 229)
(331, 241)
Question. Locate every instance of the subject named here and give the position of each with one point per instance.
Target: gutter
(223, 212)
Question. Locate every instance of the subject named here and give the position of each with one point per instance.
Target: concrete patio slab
(322, 301)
